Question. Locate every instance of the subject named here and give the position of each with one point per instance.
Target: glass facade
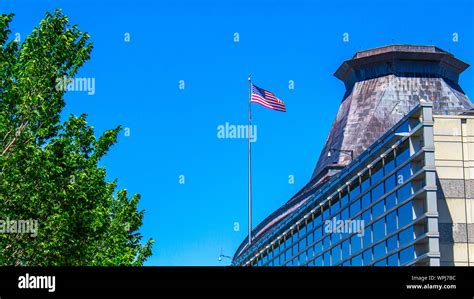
(374, 213)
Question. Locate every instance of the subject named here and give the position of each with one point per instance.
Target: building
(393, 184)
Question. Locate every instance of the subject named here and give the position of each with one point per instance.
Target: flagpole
(250, 160)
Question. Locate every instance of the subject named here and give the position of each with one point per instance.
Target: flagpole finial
(250, 77)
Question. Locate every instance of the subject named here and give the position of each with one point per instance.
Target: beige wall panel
(449, 172)
(448, 151)
(460, 252)
(470, 127)
(455, 213)
(450, 127)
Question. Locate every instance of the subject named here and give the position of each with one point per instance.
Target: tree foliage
(49, 170)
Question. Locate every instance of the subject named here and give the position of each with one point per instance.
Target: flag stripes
(266, 99)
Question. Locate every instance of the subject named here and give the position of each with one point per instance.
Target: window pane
(335, 216)
(344, 200)
(282, 259)
(391, 220)
(310, 225)
(368, 236)
(389, 163)
(309, 238)
(287, 242)
(317, 220)
(378, 209)
(391, 201)
(379, 229)
(365, 181)
(318, 261)
(367, 256)
(377, 192)
(407, 255)
(405, 214)
(379, 250)
(310, 252)
(345, 214)
(325, 213)
(404, 192)
(390, 183)
(356, 244)
(336, 254)
(355, 208)
(335, 237)
(318, 248)
(276, 251)
(357, 260)
(288, 254)
(326, 242)
(302, 258)
(367, 216)
(407, 236)
(393, 260)
(318, 233)
(366, 200)
(402, 153)
(294, 237)
(392, 243)
(345, 249)
(355, 191)
(335, 206)
(302, 245)
(327, 259)
(302, 231)
(403, 174)
(377, 172)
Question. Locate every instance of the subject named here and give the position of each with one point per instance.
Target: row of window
(396, 259)
(357, 243)
(373, 230)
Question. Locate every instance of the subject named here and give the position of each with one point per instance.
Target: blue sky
(173, 131)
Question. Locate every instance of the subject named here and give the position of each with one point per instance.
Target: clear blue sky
(173, 132)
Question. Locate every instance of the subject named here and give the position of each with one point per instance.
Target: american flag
(266, 99)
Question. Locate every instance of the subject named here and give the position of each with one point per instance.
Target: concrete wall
(454, 160)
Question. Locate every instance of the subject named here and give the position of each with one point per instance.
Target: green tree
(49, 170)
